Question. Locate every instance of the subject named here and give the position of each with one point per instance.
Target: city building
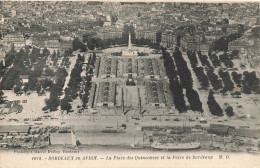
(110, 33)
(24, 78)
(238, 45)
(188, 43)
(65, 45)
(146, 34)
(169, 39)
(16, 39)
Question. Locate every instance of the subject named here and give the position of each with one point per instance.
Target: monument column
(129, 42)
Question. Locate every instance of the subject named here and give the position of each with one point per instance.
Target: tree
(228, 84)
(223, 91)
(194, 100)
(25, 88)
(17, 89)
(68, 52)
(213, 78)
(234, 54)
(49, 72)
(178, 96)
(138, 14)
(32, 83)
(45, 52)
(38, 89)
(251, 80)
(34, 54)
(46, 83)
(203, 79)
(58, 53)
(100, 22)
(241, 28)
(65, 105)
(114, 18)
(53, 102)
(214, 107)
(93, 43)
(256, 32)
(77, 44)
(215, 60)
(54, 55)
(229, 111)
(84, 99)
(236, 77)
(61, 74)
(237, 94)
(1, 97)
(246, 89)
(126, 30)
(225, 21)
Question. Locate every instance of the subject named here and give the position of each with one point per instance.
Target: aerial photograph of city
(130, 76)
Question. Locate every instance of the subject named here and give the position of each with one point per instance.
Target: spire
(129, 42)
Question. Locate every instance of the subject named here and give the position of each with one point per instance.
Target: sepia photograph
(129, 84)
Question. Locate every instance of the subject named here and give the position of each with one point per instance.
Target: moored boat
(175, 146)
(136, 146)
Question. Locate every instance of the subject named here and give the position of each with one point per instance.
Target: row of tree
(87, 83)
(215, 108)
(204, 59)
(186, 82)
(183, 70)
(199, 72)
(193, 58)
(250, 82)
(71, 92)
(175, 86)
(214, 59)
(213, 105)
(202, 77)
(186, 79)
(228, 84)
(56, 90)
(213, 78)
(225, 58)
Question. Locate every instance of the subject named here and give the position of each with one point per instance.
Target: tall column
(129, 42)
